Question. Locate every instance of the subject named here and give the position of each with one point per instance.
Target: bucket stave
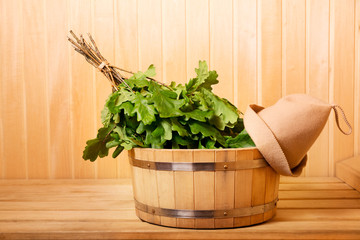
(203, 188)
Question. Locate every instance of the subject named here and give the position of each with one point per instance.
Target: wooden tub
(203, 188)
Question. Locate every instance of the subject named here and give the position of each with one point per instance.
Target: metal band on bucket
(199, 166)
(185, 213)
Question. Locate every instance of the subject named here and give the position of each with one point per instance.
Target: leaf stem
(109, 133)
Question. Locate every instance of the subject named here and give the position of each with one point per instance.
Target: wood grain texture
(204, 188)
(173, 41)
(150, 185)
(270, 79)
(221, 46)
(349, 171)
(271, 191)
(184, 188)
(83, 116)
(317, 78)
(58, 77)
(13, 127)
(138, 183)
(224, 187)
(261, 49)
(258, 192)
(113, 217)
(243, 187)
(166, 192)
(293, 47)
(245, 53)
(343, 68)
(37, 97)
(2, 150)
(357, 81)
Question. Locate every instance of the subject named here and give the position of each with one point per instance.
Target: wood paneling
(245, 53)
(36, 90)
(12, 99)
(82, 93)
(342, 75)
(58, 78)
(51, 98)
(317, 77)
(173, 41)
(293, 47)
(357, 82)
(270, 48)
(221, 46)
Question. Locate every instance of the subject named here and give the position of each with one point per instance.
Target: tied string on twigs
(93, 56)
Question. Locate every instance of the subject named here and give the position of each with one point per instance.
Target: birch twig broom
(93, 56)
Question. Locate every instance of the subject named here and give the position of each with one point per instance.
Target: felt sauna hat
(285, 131)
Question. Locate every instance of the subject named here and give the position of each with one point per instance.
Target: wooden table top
(309, 208)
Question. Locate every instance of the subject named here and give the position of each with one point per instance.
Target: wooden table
(309, 208)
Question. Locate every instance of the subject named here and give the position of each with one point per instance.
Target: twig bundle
(93, 56)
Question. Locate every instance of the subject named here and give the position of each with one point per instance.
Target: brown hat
(285, 131)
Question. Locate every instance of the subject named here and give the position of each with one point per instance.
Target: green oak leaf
(105, 116)
(165, 105)
(118, 98)
(210, 144)
(202, 74)
(127, 107)
(162, 131)
(210, 80)
(97, 147)
(141, 128)
(177, 140)
(199, 115)
(121, 132)
(206, 130)
(178, 127)
(116, 118)
(150, 72)
(112, 143)
(150, 138)
(226, 112)
(200, 101)
(117, 151)
(140, 80)
(242, 140)
(145, 112)
(128, 145)
(159, 130)
(167, 130)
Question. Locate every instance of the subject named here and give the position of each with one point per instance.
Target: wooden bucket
(203, 188)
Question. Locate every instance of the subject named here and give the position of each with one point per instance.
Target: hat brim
(268, 145)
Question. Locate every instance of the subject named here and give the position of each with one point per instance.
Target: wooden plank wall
(50, 98)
